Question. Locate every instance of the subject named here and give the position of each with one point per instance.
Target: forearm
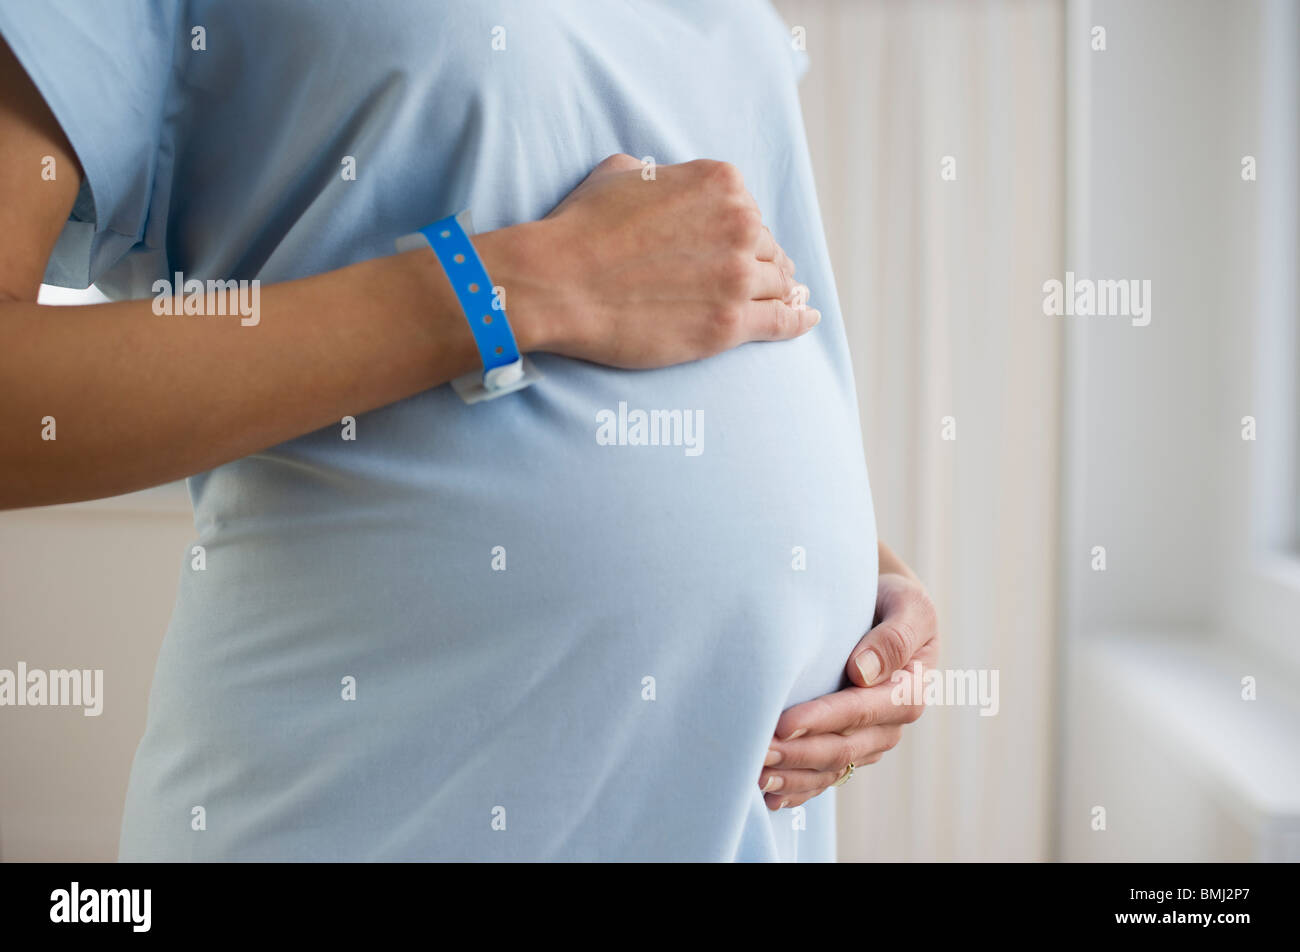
(139, 398)
(620, 273)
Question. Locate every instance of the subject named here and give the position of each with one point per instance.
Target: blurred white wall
(84, 586)
(1201, 589)
(939, 281)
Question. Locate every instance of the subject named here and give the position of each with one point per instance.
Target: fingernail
(799, 733)
(816, 318)
(773, 757)
(773, 783)
(869, 665)
(783, 805)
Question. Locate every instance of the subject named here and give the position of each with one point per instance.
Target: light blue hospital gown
(610, 694)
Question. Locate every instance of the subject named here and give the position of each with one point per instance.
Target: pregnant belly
(476, 616)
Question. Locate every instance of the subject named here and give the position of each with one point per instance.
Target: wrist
(519, 259)
(890, 564)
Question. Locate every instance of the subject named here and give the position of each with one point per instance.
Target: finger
(769, 250)
(795, 782)
(844, 712)
(775, 320)
(770, 281)
(778, 801)
(906, 626)
(618, 162)
(833, 751)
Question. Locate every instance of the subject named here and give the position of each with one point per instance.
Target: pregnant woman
(411, 626)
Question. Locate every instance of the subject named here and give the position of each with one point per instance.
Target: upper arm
(39, 180)
(87, 87)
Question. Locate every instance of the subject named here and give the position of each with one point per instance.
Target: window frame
(1268, 541)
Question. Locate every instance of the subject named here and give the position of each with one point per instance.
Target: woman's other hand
(816, 740)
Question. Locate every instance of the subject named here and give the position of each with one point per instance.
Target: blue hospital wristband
(505, 370)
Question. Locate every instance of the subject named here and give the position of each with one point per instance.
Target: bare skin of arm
(623, 272)
(891, 564)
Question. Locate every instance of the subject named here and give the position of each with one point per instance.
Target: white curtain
(941, 287)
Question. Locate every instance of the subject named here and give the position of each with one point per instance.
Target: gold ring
(845, 777)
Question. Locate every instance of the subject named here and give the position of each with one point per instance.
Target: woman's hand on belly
(815, 741)
(642, 270)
